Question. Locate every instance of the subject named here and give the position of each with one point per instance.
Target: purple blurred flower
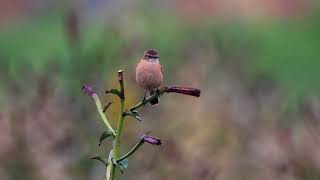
(87, 89)
(151, 140)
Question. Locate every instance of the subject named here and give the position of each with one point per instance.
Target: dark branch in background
(72, 27)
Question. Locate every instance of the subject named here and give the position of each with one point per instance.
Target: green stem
(119, 130)
(110, 170)
(111, 167)
(146, 101)
(116, 144)
(134, 149)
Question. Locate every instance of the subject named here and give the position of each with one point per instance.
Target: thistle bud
(87, 89)
(184, 90)
(151, 140)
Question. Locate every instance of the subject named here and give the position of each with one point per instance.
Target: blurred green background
(256, 61)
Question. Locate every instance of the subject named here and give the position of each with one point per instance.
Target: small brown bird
(149, 74)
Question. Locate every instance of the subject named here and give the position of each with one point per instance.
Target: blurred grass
(286, 51)
(39, 51)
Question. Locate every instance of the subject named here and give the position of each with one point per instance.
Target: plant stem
(134, 149)
(119, 130)
(110, 171)
(150, 98)
(116, 144)
(119, 126)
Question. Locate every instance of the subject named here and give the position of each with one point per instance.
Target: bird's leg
(158, 91)
(144, 97)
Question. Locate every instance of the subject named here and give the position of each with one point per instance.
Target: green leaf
(123, 165)
(104, 135)
(107, 106)
(114, 91)
(134, 114)
(98, 158)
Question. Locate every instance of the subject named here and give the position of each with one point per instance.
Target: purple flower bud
(185, 90)
(87, 89)
(151, 140)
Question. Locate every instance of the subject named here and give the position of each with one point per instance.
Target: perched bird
(149, 74)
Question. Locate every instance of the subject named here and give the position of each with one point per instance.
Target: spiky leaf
(114, 91)
(105, 135)
(98, 158)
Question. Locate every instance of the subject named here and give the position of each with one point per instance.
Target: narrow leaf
(138, 118)
(134, 114)
(114, 91)
(107, 106)
(104, 135)
(98, 158)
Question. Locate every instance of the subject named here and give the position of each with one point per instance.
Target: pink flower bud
(151, 140)
(185, 90)
(87, 89)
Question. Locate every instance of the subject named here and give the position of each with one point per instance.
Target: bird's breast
(149, 75)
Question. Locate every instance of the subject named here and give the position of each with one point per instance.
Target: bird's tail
(154, 101)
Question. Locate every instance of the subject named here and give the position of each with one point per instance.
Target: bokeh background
(256, 61)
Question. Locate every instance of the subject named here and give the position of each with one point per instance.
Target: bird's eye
(152, 57)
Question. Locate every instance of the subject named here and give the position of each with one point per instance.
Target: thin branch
(145, 138)
(134, 149)
(181, 90)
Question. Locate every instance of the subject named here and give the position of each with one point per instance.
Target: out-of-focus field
(256, 62)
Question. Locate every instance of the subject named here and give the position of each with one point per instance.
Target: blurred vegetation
(45, 59)
(284, 50)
